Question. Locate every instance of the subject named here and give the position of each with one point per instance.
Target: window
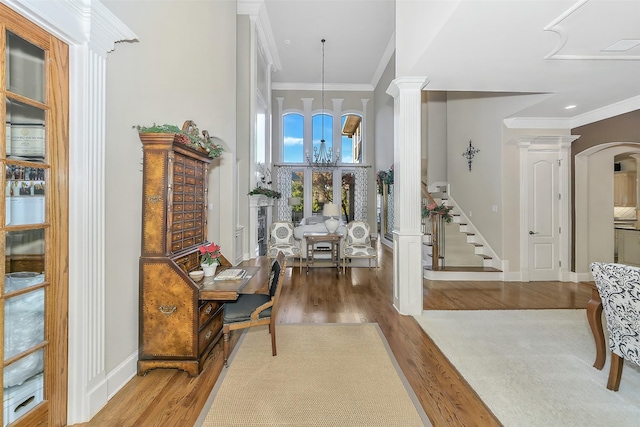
(297, 191)
(351, 138)
(317, 124)
(320, 185)
(348, 195)
(293, 137)
(322, 188)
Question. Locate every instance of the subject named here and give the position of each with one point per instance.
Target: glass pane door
(25, 283)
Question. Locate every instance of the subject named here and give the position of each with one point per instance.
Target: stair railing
(437, 229)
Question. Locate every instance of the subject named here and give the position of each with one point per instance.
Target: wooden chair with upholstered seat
(357, 244)
(255, 309)
(619, 289)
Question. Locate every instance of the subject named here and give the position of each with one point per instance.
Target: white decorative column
(407, 233)
(88, 383)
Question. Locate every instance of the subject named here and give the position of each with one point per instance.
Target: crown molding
(334, 87)
(75, 21)
(257, 12)
(607, 112)
(622, 107)
(384, 61)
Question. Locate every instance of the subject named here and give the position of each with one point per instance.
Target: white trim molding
(560, 144)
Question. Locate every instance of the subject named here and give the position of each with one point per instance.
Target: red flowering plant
(209, 254)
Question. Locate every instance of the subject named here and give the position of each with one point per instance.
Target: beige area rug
(323, 375)
(534, 367)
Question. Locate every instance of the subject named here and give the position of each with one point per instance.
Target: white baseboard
(122, 374)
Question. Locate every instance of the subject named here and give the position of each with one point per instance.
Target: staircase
(464, 254)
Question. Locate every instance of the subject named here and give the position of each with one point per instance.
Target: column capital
(406, 83)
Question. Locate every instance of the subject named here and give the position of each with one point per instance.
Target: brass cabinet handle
(167, 310)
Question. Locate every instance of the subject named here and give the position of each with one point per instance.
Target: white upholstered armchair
(619, 289)
(281, 239)
(357, 243)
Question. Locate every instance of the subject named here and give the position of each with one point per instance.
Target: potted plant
(209, 258)
(189, 135)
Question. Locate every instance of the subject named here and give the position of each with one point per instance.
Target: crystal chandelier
(323, 156)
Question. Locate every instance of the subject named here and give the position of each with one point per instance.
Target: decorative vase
(209, 270)
(332, 224)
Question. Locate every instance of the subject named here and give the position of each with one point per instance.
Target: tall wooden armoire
(177, 329)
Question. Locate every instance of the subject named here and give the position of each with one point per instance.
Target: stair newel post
(441, 243)
(435, 256)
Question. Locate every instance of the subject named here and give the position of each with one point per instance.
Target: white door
(543, 216)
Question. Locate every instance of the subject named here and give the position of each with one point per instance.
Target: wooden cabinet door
(624, 189)
(618, 189)
(631, 189)
(34, 223)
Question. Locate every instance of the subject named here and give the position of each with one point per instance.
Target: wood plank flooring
(167, 397)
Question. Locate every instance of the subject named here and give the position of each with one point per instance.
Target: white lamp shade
(331, 209)
(294, 201)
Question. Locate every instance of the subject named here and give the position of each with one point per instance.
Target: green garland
(432, 209)
(384, 177)
(192, 139)
(265, 192)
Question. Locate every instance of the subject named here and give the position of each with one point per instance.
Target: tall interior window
(293, 137)
(351, 138)
(316, 129)
(297, 194)
(348, 196)
(322, 189)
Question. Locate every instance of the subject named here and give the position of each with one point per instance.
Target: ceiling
(554, 50)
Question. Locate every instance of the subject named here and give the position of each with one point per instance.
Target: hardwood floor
(167, 397)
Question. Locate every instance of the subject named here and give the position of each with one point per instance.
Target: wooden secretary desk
(177, 329)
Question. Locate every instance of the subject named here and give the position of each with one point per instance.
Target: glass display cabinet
(33, 223)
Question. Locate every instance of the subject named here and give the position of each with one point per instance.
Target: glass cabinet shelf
(24, 195)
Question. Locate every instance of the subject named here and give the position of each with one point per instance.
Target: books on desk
(231, 274)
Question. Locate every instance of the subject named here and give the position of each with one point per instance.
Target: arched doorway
(593, 205)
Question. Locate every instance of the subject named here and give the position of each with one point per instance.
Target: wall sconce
(469, 153)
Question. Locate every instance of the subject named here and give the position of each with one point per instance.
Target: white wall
(383, 117)
(244, 120)
(417, 25)
(479, 117)
(384, 134)
(182, 67)
(434, 109)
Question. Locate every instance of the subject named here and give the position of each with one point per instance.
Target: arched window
(316, 128)
(293, 138)
(351, 139)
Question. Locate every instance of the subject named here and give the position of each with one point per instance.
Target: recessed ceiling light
(287, 41)
(622, 45)
(569, 107)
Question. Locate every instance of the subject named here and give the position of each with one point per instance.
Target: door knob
(533, 232)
